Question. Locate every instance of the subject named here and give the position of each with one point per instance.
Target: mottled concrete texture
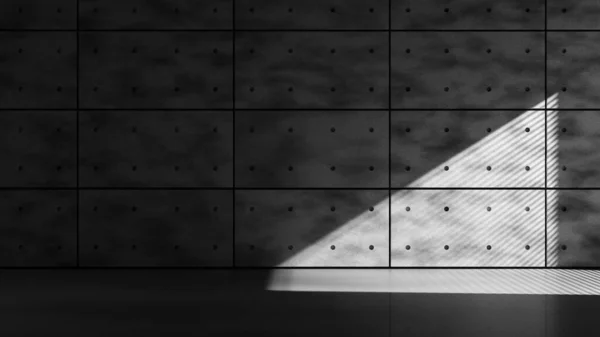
(137, 110)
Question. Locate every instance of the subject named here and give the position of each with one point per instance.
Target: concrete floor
(173, 302)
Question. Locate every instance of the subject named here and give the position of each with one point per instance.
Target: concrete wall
(149, 133)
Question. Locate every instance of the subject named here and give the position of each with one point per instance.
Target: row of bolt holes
(290, 209)
(20, 168)
(134, 10)
(290, 130)
(290, 89)
(372, 10)
(291, 247)
(489, 168)
(290, 51)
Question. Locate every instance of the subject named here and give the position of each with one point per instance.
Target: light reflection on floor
(453, 281)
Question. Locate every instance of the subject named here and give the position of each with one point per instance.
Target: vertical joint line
(233, 88)
(77, 128)
(390, 133)
(546, 133)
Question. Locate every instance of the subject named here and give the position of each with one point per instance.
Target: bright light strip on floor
(441, 281)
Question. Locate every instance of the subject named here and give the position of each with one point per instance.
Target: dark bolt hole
(176, 247)
(489, 89)
(95, 247)
(332, 247)
(527, 209)
(446, 208)
(527, 168)
(332, 129)
(333, 209)
(564, 209)
(563, 247)
(446, 168)
(489, 247)
(133, 247)
(371, 247)
(489, 168)
(290, 247)
(446, 130)
(408, 168)
(215, 247)
(290, 168)
(564, 129)
(371, 168)
(446, 247)
(333, 168)
(371, 209)
(215, 209)
(489, 130)
(408, 209)
(489, 209)
(527, 247)
(564, 168)
(251, 247)
(407, 247)
(527, 129)
(290, 209)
